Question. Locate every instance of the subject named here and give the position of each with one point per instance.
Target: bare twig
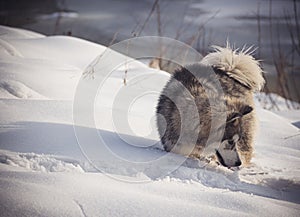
(258, 30)
(138, 33)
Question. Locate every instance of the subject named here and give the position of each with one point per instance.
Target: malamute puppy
(239, 76)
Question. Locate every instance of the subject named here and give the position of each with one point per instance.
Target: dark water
(100, 20)
(213, 21)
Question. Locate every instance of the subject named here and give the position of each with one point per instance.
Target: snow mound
(19, 90)
(8, 49)
(39, 162)
(50, 49)
(28, 60)
(9, 32)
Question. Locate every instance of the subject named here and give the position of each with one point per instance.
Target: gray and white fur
(240, 75)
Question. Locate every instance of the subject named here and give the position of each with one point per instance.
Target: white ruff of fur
(239, 65)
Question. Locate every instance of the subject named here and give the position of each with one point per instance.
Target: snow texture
(43, 171)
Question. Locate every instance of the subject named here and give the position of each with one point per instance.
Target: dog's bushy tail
(238, 64)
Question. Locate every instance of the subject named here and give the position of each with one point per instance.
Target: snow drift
(44, 172)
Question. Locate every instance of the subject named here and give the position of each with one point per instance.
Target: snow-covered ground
(44, 171)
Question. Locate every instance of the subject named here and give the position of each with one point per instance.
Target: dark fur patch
(238, 99)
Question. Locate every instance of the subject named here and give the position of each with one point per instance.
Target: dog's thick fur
(239, 74)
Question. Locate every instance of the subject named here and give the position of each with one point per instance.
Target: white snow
(59, 15)
(43, 171)
(42, 163)
(276, 103)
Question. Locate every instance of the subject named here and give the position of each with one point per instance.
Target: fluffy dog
(239, 76)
